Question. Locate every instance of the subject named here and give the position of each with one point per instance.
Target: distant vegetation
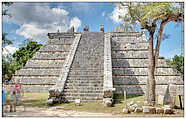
(178, 62)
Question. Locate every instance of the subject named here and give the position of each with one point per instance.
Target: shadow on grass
(118, 98)
(35, 103)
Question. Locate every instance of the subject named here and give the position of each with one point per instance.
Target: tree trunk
(160, 32)
(151, 67)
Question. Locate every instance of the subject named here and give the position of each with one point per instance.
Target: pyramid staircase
(85, 78)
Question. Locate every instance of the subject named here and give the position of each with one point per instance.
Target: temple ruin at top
(92, 66)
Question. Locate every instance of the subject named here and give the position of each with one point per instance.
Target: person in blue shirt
(4, 100)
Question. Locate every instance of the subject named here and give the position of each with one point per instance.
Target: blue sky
(35, 20)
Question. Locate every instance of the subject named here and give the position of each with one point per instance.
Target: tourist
(4, 100)
(17, 94)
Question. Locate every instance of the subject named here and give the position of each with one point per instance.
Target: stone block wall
(41, 72)
(130, 66)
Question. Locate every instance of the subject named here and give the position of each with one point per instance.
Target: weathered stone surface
(146, 109)
(125, 63)
(87, 66)
(36, 88)
(152, 110)
(107, 81)
(168, 110)
(36, 79)
(161, 99)
(159, 110)
(108, 102)
(127, 80)
(170, 95)
(130, 103)
(36, 72)
(130, 54)
(44, 63)
(57, 47)
(129, 46)
(125, 111)
(140, 89)
(49, 102)
(50, 55)
(143, 71)
(138, 110)
(132, 106)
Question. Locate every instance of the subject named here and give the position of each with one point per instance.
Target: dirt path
(60, 111)
(52, 112)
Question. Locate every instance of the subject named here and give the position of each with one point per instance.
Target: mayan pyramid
(87, 65)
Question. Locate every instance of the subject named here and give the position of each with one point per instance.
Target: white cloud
(9, 50)
(118, 11)
(38, 19)
(103, 14)
(76, 22)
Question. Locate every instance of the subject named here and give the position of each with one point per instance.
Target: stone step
(122, 63)
(35, 80)
(129, 46)
(124, 40)
(83, 99)
(61, 41)
(144, 71)
(130, 54)
(134, 80)
(84, 84)
(37, 88)
(81, 91)
(82, 81)
(50, 55)
(83, 94)
(63, 47)
(84, 87)
(44, 63)
(85, 72)
(37, 72)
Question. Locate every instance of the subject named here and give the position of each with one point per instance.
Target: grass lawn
(39, 100)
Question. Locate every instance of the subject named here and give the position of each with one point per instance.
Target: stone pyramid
(92, 66)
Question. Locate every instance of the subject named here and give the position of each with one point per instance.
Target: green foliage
(178, 62)
(144, 14)
(7, 69)
(20, 57)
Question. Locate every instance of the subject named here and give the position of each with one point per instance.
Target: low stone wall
(144, 71)
(140, 89)
(141, 80)
(122, 63)
(50, 55)
(55, 48)
(44, 63)
(130, 54)
(129, 46)
(33, 72)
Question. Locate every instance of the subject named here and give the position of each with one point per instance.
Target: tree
(178, 63)
(149, 16)
(20, 57)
